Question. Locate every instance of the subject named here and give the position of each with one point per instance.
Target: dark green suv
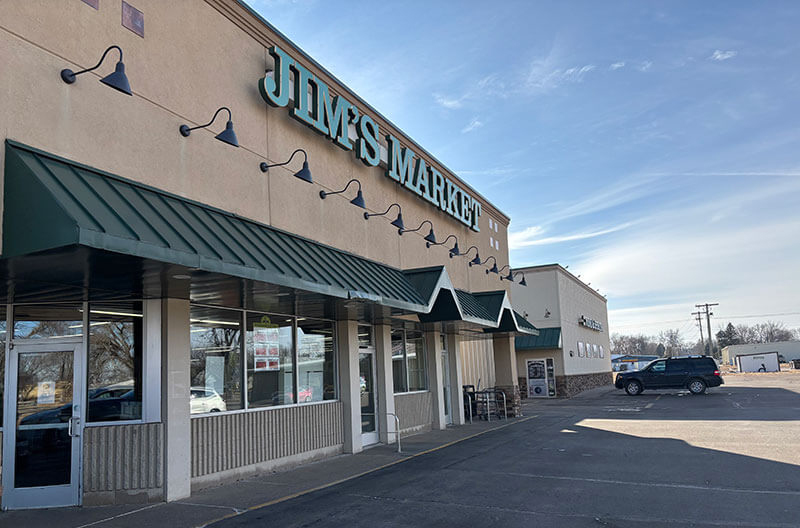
(695, 373)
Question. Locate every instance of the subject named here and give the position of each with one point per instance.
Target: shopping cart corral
(485, 403)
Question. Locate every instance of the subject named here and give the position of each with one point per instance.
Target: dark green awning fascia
(51, 202)
(548, 338)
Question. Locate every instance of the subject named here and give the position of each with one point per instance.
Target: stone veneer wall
(568, 386)
(513, 399)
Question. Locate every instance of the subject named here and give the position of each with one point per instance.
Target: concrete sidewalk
(212, 504)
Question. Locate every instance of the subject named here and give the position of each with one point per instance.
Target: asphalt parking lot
(729, 458)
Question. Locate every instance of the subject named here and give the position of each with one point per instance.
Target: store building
(787, 351)
(193, 299)
(571, 353)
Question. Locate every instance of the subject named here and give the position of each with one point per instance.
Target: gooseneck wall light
(304, 173)
(454, 251)
(117, 80)
(430, 237)
(510, 277)
(357, 201)
(477, 260)
(397, 222)
(479, 263)
(226, 136)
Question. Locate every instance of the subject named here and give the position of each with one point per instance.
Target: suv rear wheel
(633, 388)
(697, 386)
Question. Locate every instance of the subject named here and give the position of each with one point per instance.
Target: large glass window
(315, 361)
(114, 374)
(216, 368)
(270, 353)
(399, 361)
(48, 321)
(409, 368)
(2, 359)
(415, 357)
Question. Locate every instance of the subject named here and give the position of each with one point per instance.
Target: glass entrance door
(366, 374)
(42, 424)
(448, 416)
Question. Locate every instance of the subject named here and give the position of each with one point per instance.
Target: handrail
(397, 430)
(505, 407)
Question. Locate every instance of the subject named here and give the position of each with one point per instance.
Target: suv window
(658, 367)
(704, 364)
(678, 365)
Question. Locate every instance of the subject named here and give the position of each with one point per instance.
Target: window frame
(408, 390)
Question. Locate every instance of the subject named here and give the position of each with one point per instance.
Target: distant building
(787, 350)
(625, 362)
(572, 351)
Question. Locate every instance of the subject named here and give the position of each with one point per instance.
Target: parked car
(205, 400)
(695, 373)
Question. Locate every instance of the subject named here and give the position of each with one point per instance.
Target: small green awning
(548, 339)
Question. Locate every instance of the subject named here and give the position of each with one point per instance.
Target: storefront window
(365, 336)
(216, 368)
(315, 361)
(48, 321)
(270, 372)
(399, 361)
(114, 372)
(408, 360)
(415, 356)
(2, 359)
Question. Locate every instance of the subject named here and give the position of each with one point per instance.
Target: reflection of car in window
(205, 399)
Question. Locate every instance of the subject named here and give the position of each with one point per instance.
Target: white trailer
(766, 362)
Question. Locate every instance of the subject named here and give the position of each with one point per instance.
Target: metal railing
(397, 430)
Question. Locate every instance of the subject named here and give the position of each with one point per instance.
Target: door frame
(447, 390)
(43, 496)
(373, 437)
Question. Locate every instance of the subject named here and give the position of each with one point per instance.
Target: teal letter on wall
(275, 89)
(367, 147)
(303, 111)
(400, 159)
(476, 214)
(332, 118)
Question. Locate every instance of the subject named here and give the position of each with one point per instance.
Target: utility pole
(700, 324)
(708, 313)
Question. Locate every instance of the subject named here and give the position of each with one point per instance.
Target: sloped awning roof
(54, 203)
(548, 338)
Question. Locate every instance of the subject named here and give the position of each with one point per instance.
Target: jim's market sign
(331, 116)
(591, 323)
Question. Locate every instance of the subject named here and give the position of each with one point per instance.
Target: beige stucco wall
(193, 60)
(477, 361)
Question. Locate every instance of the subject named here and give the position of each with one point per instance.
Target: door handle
(72, 426)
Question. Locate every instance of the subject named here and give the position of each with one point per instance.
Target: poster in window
(266, 348)
(46, 392)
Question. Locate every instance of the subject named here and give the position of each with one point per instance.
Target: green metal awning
(51, 202)
(548, 338)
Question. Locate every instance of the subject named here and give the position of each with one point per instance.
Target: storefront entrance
(366, 374)
(448, 416)
(42, 423)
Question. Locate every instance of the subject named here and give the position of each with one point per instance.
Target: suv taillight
(716, 373)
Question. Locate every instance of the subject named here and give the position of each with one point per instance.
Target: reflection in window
(415, 356)
(270, 376)
(408, 360)
(365, 336)
(398, 361)
(2, 358)
(315, 361)
(48, 321)
(215, 369)
(115, 362)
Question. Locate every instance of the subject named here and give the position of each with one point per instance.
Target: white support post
(349, 384)
(433, 352)
(175, 363)
(385, 383)
(456, 397)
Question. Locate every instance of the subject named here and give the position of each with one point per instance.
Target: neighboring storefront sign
(332, 117)
(591, 323)
(537, 379)
(266, 347)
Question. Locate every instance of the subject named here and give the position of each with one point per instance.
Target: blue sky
(653, 147)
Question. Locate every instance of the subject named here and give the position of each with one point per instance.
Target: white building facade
(787, 350)
(572, 351)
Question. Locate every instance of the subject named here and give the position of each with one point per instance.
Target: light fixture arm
(68, 76)
(504, 267)
(487, 260)
(401, 231)
(399, 209)
(324, 194)
(185, 130)
(443, 242)
(265, 167)
(464, 254)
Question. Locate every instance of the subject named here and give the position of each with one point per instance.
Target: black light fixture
(304, 173)
(454, 251)
(397, 222)
(226, 136)
(477, 260)
(357, 201)
(117, 80)
(430, 237)
(510, 276)
(493, 268)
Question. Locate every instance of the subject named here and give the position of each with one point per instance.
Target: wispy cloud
(645, 66)
(450, 103)
(530, 236)
(473, 125)
(720, 55)
(617, 65)
(543, 78)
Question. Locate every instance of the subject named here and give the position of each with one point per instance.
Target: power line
(720, 317)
